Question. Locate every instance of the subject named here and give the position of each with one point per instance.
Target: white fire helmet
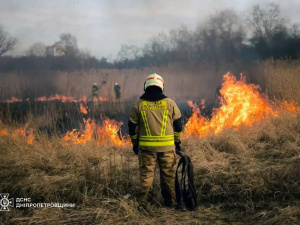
(154, 80)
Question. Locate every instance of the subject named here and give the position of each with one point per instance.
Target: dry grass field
(282, 78)
(248, 175)
(182, 82)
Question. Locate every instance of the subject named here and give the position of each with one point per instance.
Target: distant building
(55, 50)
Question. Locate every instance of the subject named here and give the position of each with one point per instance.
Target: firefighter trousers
(166, 162)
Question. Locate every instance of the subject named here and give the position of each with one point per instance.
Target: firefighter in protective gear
(155, 127)
(95, 90)
(117, 89)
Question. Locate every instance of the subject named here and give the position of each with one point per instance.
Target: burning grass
(246, 162)
(247, 173)
(250, 175)
(61, 98)
(240, 104)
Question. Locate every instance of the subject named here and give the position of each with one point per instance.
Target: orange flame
(13, 99)
(83, 109)
(24, 132)
(59, 98)
(30, 137)
(83, 99)
(109, 133)
(101, 99)
(21, 131)
(63, 98)
(41, 99)
(290, 107)
(95, 99)
(241, 103)
(106, 134)
(77, 137)
(3, 132)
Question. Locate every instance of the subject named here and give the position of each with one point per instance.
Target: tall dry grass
(182, 81)
(283, 79)
(246, 176)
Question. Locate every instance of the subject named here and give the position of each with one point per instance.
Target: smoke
(103, 26)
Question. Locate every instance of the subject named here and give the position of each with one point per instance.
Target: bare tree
(295, 31)
(266, 21)
(7, 43)
(129, 52)
(178, 45)
(160, 44)
(222, 36)
(182, 41)
(37, 49)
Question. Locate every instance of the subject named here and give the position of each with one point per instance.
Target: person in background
(95, 90)
(117, 89)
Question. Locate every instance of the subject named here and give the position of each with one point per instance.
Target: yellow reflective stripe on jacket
(177, 134)
(144, 116)
(156, 138)
(167, 140)
(156, 143)
(164, 123)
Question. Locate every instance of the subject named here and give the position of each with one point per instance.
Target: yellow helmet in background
(154, 80)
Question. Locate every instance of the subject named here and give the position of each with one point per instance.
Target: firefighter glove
(135, 149)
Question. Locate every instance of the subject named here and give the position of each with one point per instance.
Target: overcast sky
(101, 26)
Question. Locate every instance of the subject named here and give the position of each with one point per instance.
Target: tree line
(223, 37)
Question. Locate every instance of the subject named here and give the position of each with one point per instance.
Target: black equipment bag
(184, 184)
